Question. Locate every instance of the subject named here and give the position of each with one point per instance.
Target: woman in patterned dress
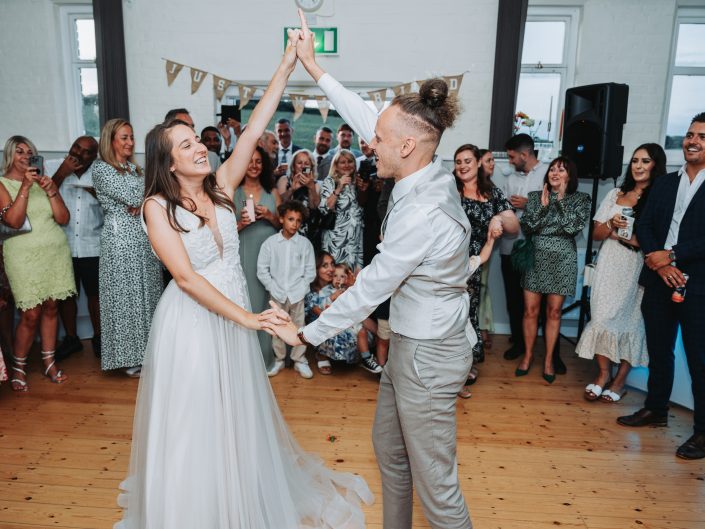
(130, 276)
(615, 332)
(342, 346)
(339, 194)
(485, 205)
(301, 183)
(258, 184)
(553, 218)
(38, 264)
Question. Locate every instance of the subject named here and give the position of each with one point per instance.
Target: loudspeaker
(592, 131)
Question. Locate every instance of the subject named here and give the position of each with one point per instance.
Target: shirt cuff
(312, 334)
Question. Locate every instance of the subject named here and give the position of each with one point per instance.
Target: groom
(423, 265)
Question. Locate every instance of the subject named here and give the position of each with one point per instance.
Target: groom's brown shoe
(693, 448)
(643, 417)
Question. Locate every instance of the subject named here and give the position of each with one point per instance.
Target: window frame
(68, 14)
(684, 15)
(566, 69)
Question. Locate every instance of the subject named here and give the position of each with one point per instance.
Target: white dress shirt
(417, 263)
(286, 268)
(686, 192)
(521, 184)
(86, 222)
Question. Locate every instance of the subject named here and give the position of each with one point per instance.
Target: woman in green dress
(553, 218)
(130, 276)
(258, 185)
(38, 264)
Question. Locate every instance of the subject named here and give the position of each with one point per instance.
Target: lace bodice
(213, 255)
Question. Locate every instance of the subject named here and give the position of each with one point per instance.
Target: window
(687, 78)
(78, 35)
(547, 70)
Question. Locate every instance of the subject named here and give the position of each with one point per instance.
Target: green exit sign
(325, 40)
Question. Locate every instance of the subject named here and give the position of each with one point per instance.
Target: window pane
(543, 42)
(85, 37)
(690, 50)
(686, 101)
(89, 101)
(538, 99)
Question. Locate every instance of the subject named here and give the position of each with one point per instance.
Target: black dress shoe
(693, 448)
(558, 365)
(68, 346)
(512, 353)
(96, 345)
(643, 417)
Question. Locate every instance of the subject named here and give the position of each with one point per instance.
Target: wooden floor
(531, 455)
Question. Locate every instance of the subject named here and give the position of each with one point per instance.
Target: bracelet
(53, 195)
(609, 224)
(21, 195)
(4, 210)
(300, 335)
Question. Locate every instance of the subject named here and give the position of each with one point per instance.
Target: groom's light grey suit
(424, 265)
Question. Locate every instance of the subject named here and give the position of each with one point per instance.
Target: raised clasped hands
(495, 228)
(277, 322)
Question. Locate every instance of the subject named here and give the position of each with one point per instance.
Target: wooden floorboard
(530, 455)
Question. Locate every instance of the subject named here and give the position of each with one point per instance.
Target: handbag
(6, 231)
(522, 256)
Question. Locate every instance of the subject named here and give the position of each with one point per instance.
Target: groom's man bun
(432, 110)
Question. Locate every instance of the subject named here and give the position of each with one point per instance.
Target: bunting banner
(246, 93)
(323, 106)
(220, 85)
(378, 97)
(454, 82)
(299, 102)
(197, 77)
(401, 89)
(172, 70)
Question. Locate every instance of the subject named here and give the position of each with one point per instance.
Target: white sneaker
(278, 366)
(303, 369)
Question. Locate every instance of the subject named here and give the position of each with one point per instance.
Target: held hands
(277, 322)
(495, 228)
(305, 49)
(657, 260)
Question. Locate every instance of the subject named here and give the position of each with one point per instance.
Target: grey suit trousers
(414, 433)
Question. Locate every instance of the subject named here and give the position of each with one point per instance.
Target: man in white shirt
(73, 177)
(423, 264)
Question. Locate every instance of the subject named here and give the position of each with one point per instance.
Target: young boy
(286, 267)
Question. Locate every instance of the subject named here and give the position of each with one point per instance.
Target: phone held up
(368, 169)
(37, 161)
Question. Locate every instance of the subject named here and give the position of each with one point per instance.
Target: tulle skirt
(210, 447)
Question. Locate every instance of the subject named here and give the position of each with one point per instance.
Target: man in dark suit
(285, 133)
(671, 232)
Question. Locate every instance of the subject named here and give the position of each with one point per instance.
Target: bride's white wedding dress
(210, 449)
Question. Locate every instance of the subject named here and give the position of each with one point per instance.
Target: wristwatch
(672, 255)
(301, 336)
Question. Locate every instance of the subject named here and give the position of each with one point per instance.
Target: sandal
(58, 377)
(324, 367)
(592, 392)
(18, 365)
(611, 396)
(464, 393)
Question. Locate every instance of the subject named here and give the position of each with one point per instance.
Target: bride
(210, 448)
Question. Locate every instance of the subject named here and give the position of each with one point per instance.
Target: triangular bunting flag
(401, 89)
(220, 85)
(378, 97)
(172, 70)
(299, 102)
(197, 77)
(323, 106)
(246, 93)
(454, 82)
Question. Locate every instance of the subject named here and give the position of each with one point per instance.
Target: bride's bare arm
(230, 174)
(171, 251)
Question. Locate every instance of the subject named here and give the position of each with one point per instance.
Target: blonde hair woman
(130, 277)
(339, 194)
(38, 264)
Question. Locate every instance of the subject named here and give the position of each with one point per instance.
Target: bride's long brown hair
(159, 180)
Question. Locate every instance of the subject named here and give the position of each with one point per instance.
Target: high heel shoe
(18, 365)
(519, 372)
(549, 378)
(56, 378)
